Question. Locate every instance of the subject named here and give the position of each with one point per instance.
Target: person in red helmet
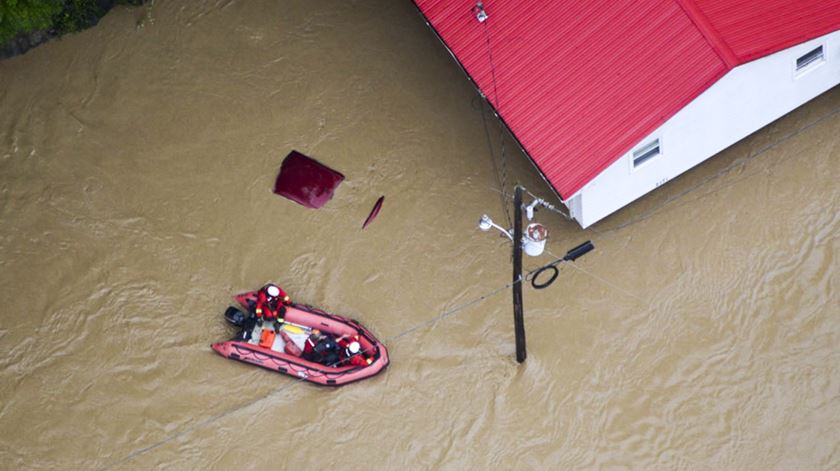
(271, 304)
(350, 351)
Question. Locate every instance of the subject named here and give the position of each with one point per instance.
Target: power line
(602, 280)
(450, 312)
(502, 182)
(197, 425)
(727, 169)
(503, 158)
(245, 405)
(428, 322)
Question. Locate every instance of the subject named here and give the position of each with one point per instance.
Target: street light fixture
(485, 223)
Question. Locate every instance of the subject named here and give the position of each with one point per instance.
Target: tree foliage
(55, 16)
(77, 15)
(23, 16)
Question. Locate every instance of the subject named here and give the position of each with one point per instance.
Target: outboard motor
(235, 316)
(247, 330)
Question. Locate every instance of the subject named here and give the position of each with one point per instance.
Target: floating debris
(306, 181)
(374, 212)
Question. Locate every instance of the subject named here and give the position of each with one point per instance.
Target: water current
(137, 161)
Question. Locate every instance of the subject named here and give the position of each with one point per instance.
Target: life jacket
(267, 308)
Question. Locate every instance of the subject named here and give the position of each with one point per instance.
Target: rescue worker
(321, 348)
(327, 350)
(271, 304)
(351, 351)
(309, 346)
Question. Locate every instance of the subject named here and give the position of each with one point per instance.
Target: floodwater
(136, 167)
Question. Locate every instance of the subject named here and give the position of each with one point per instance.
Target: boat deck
(297, 333)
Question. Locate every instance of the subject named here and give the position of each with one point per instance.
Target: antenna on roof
(480, 14)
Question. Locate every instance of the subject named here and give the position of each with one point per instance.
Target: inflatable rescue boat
(278, 347)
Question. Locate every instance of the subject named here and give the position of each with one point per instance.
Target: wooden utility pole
(518, 320)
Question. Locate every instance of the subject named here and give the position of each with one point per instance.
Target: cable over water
(503, 177)
(275, 392)
(393, 338)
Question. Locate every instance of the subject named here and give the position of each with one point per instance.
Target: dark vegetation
(27, 23)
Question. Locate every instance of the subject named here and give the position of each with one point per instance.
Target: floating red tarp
(306, 181)
(374, 212)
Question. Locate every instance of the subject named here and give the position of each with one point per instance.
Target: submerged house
(612, 98)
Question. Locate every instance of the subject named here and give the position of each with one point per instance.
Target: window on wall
(646, 153)
(810, 60)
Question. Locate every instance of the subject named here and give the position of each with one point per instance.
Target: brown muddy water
(136, 166)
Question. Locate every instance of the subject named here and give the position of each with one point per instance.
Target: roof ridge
(708, 31)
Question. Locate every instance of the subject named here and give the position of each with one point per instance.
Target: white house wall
(746, 99)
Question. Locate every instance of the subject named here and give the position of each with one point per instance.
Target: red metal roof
(756, 28)
(579, 82)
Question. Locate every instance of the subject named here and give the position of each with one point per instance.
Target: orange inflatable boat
(278, 347)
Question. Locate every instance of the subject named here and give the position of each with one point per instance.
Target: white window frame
(655, 143)
(814, 64)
